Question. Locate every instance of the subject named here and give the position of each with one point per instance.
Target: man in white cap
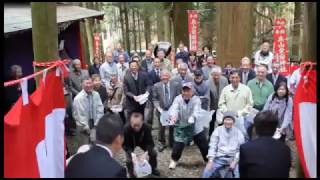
(224, 147)
(184, 113)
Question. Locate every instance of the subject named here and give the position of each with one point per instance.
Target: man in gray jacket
(164, 93)
(216, 84)
(87, 110)
(224, 147)
(183, 76)
(76, 74)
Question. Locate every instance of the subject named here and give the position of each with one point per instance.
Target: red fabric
(193, 17)
(280, 45)
(96, 44)
(306, 92)
(24, 127)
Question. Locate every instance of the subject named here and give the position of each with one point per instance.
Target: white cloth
(143, 98)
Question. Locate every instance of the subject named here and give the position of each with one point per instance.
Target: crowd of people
(112, 106)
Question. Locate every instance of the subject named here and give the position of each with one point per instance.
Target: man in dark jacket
(154, 74)
(182, 54)
(146, 63)
(98, 161)
(265, 157)
(275, 77)
(246, 72)
(135, 83)
(138, 133)
(94, 68)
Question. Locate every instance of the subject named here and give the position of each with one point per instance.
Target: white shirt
(294, 80)
(122, 72)
(267, 60)
(106, 148)
(81, 108)
(106, 69)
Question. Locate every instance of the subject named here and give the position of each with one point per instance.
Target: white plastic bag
(219, 117)
(252, 114)
(165, 119)
(141, 166)
(277, 134)
(143, 98)
(116, 108)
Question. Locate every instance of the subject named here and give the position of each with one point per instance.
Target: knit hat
(229, 114)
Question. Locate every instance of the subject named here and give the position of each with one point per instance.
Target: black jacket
(184, 56)
(12, 93)
(280, 78)
(134, 88)
(95, 163)
(93, 70)
(251, 75)
(144, 65)
(264, 157)
(143, 138)
(153, 76)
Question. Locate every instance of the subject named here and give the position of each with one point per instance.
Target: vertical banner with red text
(193, 29)
(96, 45)
(280, 45)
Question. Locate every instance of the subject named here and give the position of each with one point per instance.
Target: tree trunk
(309, 51)
(208, 27)
(166, 22)
(122, 24)
(180, 22)
(44, 32)
(296, 29)
(134, 32)
(234, 31)
(139, 29)
(89, 36)
(127, 27)
(160, 24)
(147, 29)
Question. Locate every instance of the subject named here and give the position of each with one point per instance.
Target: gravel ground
(190, 165)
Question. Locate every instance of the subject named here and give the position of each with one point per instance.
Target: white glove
(277, 134)
(191, 120)
(239, 113)
(160, 110)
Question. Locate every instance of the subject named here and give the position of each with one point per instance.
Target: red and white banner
(305, 122)
(280, 45)
(34, 143)
(193, 22)
(96, 45)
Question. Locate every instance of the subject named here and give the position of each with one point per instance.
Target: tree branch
(269, 18)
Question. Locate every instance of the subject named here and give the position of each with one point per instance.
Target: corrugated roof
(17, 17)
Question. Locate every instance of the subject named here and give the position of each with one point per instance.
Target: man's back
(264, 157)
(95, 163)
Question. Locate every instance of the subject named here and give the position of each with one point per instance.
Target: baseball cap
(229, 114)
(187, 85)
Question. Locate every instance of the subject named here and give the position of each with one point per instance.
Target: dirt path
(190, 165)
